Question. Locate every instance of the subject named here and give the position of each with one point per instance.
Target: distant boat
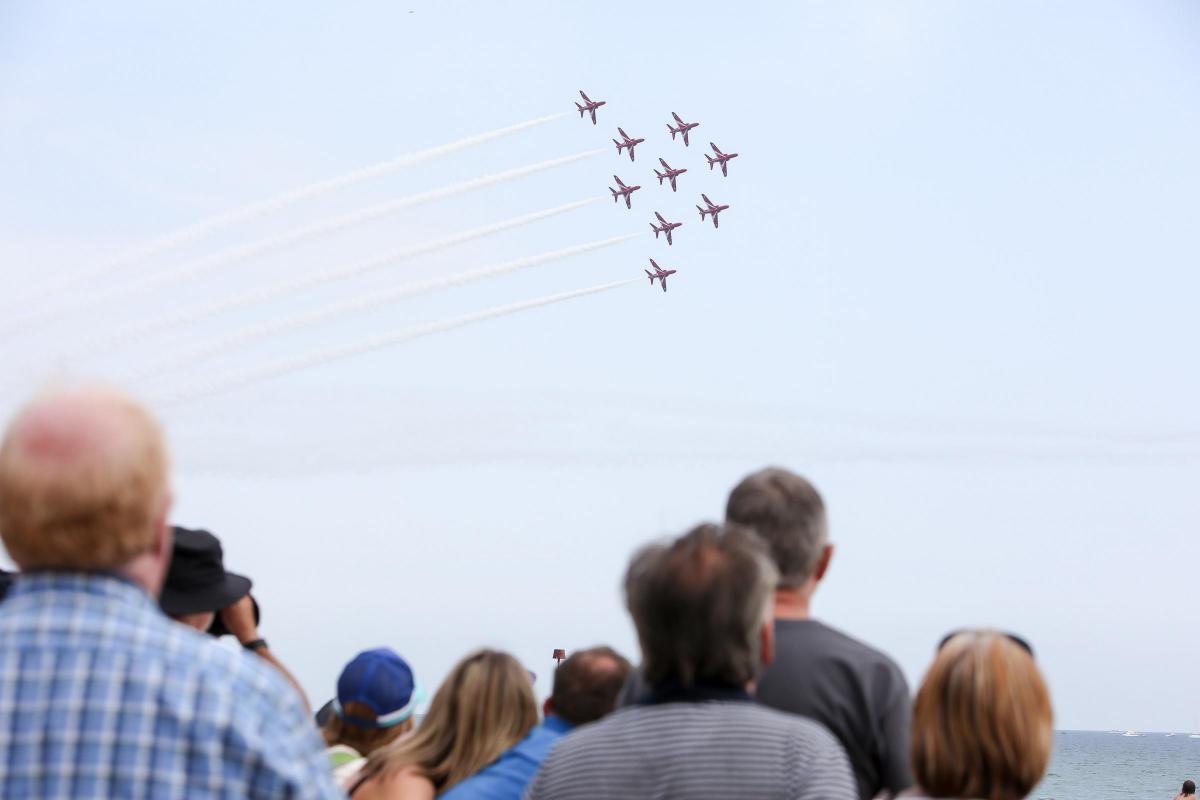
(1170, 734)
(1194, 735)
(1131, 733)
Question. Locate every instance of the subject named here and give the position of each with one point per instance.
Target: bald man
(100, 694)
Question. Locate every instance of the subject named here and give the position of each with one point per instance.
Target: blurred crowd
(114, 682)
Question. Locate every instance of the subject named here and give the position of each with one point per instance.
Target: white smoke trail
(280, 368)
(300, 284)
(242, 252)
(196, 230)
(250, 335)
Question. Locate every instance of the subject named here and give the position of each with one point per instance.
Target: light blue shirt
(102, 696)
(506, 777)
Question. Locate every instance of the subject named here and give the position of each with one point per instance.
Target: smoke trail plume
(242, 252)
(304, 282)
(280, 368)
(250, 335)
(197, 230)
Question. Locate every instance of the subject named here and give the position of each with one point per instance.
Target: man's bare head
(83, 482)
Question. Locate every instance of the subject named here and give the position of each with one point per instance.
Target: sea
(1105, 765)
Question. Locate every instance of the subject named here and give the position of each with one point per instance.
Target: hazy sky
(956, 287)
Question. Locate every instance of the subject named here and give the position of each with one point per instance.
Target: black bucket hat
(197, 580)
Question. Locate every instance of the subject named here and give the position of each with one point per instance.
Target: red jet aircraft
(721, 158)
(589, 105)
(713, 209)
(659, 273)
(671, 174)
(624, 191)
(630, 143)
(666, 228)
(683, 128)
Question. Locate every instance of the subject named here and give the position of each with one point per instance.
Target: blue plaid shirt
(101, 696)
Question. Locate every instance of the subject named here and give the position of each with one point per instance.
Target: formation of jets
(669, 173)
(660, 274)
(628, 143)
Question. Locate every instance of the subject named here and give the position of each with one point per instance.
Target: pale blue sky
(955, 287)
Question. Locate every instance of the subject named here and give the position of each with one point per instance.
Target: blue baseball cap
(383, 682)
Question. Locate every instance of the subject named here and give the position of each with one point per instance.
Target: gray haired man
(819, 672)
(702, 609)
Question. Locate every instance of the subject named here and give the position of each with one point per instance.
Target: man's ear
(548, 707)
(767, 642)
(823, 563)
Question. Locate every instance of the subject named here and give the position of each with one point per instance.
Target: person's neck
(671, 691)
(145, 571)
(793, 602)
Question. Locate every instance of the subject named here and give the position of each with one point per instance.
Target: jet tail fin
(711, 160)
(673, 131)
(648, 275)
(616, 194)
(656, 230)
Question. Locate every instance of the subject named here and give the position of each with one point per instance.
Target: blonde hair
(83, 482)
(982, 723)
(365, 740)
(484, 707)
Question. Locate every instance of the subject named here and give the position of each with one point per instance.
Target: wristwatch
(256, 644)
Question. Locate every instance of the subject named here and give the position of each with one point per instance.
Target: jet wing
(663, 281)
(660, 218)
(677, 119)
(619, 181)
(583, 94)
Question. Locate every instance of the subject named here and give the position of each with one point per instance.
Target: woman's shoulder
(403, 784)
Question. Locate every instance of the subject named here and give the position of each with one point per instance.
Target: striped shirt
(101, 696)
(715, 749)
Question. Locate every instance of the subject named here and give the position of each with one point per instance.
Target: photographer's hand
(239, 619)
